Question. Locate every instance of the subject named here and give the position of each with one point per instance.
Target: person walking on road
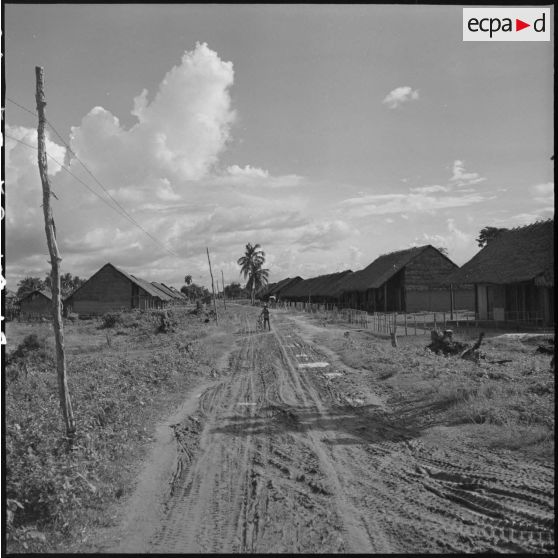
(265, 315)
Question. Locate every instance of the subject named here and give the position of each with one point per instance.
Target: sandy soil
(289, 451)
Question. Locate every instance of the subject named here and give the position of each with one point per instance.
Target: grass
(508, 405)
(119, 389)
(124, 378)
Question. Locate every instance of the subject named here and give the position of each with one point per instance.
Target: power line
(34, 113)
(121, 213)
(82, 163)
(67, 170)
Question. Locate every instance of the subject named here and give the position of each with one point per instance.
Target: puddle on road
(314, 365)
(355, 401)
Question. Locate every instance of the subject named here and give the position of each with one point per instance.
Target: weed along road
(289, 450)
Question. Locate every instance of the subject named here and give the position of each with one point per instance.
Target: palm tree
(250, 263)
(257, 280)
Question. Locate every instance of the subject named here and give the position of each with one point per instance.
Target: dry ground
(313, 440)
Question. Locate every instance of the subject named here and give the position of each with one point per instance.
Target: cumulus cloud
(461, 178)
(24, 189)
(324, 235)
(163, 170)
(179, 134)
(400, 95)
(20, 159)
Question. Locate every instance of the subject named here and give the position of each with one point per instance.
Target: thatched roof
(274, 289)
(10, 295)
(45, 291)
(279, 287)
(142, 283)
(264, 291)
(149, 288)
(162, 287)
(321, 286)
(520, 254)
(178, 294)
(381, 270)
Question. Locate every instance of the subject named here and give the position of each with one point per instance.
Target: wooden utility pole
(55, 259)
(212, 286)
(223, 281)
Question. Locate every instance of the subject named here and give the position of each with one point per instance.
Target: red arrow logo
(519, 25)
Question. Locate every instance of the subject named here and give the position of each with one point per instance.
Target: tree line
(251, 268)
(68, 284)
(198, 292)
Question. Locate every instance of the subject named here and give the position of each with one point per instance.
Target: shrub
(30, 344)
(110, 320)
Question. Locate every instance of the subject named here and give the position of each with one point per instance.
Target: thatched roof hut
(513, 256)
(174, 296)
(514, 275)
(411, 280)
(36, 303)
(277, 289)
(112, 289)
(323, 288)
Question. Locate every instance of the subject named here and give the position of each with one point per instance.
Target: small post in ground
(212, 286)
(224, 297)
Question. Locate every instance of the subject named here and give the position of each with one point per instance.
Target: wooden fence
(418, 323)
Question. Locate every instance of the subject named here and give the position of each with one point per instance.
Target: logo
(506, 24)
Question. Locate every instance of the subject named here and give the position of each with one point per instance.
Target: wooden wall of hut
(36, 304)
(106, 291)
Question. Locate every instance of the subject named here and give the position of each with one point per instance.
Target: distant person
(265, 315)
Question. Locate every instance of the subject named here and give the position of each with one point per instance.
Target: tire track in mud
(201, 514)
(513, 510)
(363, 535)
(281, 459)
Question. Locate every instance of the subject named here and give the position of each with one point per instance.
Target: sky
(328, 134)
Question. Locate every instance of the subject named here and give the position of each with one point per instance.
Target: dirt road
(282, 454)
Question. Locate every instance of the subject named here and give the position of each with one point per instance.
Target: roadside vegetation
(505, 401)
(126, 372)
(123, 377)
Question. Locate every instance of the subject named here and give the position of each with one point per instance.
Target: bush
(30, 344)
(110, 320)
